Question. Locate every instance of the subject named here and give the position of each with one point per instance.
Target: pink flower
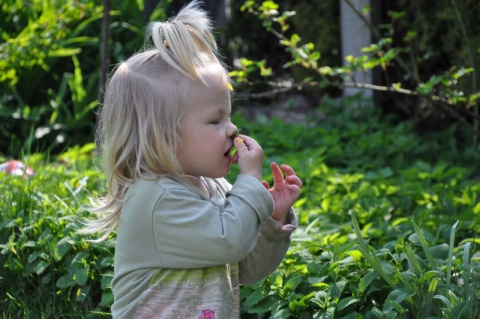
(207, 314)
(15, 167)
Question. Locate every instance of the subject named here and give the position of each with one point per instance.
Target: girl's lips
(227, 153)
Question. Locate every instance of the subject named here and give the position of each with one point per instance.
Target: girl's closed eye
(220, 120)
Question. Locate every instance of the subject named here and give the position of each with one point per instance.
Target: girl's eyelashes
(220, 120)
(217, 120)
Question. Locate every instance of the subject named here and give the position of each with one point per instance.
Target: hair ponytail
(186, 42)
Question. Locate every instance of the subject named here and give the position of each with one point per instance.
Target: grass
(387, 229)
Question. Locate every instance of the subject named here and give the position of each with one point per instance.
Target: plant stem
(472, 65)
(104, 50)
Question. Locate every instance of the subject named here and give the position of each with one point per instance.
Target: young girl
(185, 238)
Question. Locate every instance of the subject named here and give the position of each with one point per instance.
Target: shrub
(412, 82)
(378, 238)
(41, 253)
(46, 99)
(387, 229)
(49, 69)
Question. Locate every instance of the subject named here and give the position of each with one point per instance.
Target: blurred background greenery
(51, 60)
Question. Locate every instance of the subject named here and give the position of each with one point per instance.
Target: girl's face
(207, 130)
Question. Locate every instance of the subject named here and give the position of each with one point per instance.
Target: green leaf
(374, 262)
(413, 263)
(64, 52)
(345, 302)
(282, 314)
(65, 281)
(253, 298)
(63, 247)
(321, 299)
(81, 275)
(366, 280)
(83, 293)
(337, 288)
(140, 4)
(466, 273)
(107, 299)
(262, 306)
(429, 296)
(30, 243)
(268, 5)
(80, 258)
(450, 252)
(106, 281)
(462, 310)
(424, 245)
(444, 300)
(33, 256)
(292, 283)
(398, 296)
(408, 279)
(106, 262)
(41, 266)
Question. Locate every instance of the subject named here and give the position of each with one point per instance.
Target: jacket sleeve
(191, 232)
(272, 245)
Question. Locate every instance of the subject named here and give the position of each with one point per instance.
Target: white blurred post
(355, 35)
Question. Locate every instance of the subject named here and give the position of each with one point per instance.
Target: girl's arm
(272, 245)
(274, 236)
(190, 232)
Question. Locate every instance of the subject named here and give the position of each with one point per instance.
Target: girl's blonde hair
(146, 99)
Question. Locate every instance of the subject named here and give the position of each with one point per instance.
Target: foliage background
(351, 163)
(50, 59)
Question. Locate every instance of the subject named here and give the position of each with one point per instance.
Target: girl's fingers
(291, 181)
(277, 174)
(294, 180)
(294, 190)
(246, 141)
(245, 144)
(288, 170)
(265, 184)
(291, 177)
(250, 156)
(239, 144)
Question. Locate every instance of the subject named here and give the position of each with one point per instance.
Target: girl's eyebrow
(222, 111)
(216, 113)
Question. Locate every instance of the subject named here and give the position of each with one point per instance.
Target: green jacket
(179, 255)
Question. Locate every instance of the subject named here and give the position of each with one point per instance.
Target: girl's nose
(232, 130)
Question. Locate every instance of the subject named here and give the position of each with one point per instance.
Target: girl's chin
(220, 173)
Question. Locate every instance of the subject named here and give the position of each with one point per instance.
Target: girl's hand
(249, 156)
(284, 192)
